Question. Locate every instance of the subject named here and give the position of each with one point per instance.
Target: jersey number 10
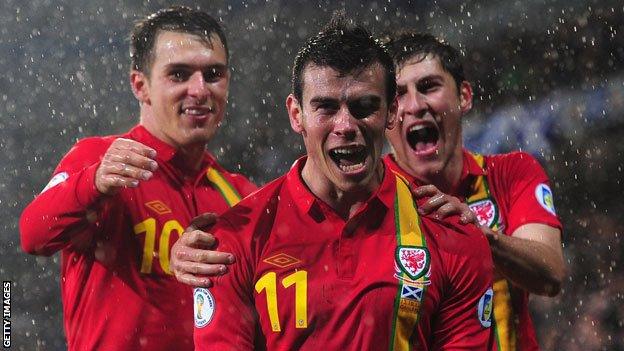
(148, 227)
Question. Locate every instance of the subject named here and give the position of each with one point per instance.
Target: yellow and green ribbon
(504, 327)
(409, 237)
(229, 193)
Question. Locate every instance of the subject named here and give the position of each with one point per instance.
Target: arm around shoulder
(60, 212)
(531, 257)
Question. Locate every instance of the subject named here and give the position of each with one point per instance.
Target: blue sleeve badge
(485, 308)
(203, 307)
(544, 196)
(56, 180)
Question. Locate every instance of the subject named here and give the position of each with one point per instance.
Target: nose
(413, 103)
(197, 86)
(346, 124)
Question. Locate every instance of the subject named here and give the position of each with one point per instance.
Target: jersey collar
(165, 151)
(470, 170)
(308, 203)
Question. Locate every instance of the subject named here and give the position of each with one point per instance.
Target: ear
(295, 114)
(140, 86)
(465, 97)
(392, 114)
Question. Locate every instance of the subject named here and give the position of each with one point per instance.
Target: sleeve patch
(56, 180)
(544, 197)
(203, 307)
(485, 308)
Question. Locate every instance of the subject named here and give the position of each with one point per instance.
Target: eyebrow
(327, 99)
(319, 100)
(216, 66)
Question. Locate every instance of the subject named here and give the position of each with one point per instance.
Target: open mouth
(423, 138)
(350, 158)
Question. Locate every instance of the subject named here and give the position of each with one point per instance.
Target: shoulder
(253, 209)
(87, 151)
(515, 159)
(455, 238)
(240, 182)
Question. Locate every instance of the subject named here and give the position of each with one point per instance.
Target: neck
(446, 178)
(188, 156)
(191, 156)
(346, 203)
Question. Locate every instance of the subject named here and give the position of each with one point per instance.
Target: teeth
(344, 151)
(195, 111)
(417, 127)
(351, 167)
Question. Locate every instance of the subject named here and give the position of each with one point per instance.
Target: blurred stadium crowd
(548, 77)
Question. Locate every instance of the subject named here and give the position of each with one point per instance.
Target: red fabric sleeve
(58, 216)
(464, 321)
(230, 324)
(526, 190)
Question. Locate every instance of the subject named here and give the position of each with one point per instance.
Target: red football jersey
(305, 279)
(117, 291)
(506, 191)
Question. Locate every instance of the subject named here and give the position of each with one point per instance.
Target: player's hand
(192, 261)
(125, 164)
(443, 205)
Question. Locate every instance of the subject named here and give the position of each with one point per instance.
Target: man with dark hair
(116, 204)
(510, 193)
(333, 255)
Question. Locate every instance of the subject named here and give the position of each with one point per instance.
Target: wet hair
(176, 19)
(347, 48)
(407, 45)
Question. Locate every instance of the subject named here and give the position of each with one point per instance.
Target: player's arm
(194, 258)
(532, 256)
(465, 317)
(67, 210)
(225, 317)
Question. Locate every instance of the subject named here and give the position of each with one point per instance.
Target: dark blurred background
(548, 78)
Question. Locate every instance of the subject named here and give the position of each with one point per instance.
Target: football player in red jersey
(510, 193)
(116, 204)
(333, 254)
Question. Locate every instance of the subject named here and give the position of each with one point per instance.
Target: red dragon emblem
(485, 212)
(413, 261)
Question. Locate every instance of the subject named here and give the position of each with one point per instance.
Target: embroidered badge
(413, 261)
(486, 212)
(203, 307)
(158, 206)
(544, 196)
(485, 308)
(411, 292)
(56, 180)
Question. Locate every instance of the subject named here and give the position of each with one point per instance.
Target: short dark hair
(176, 19)
(408, 45)
(347, 48)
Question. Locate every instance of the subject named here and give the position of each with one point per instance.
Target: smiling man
(510, 193)
(116, 204)
(333, 255)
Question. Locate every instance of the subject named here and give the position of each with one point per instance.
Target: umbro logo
(158, 206)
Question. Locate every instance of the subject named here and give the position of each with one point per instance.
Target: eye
(214, 74)
(179, 75)
(427, 85)
(364, 106)
(327, 107)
